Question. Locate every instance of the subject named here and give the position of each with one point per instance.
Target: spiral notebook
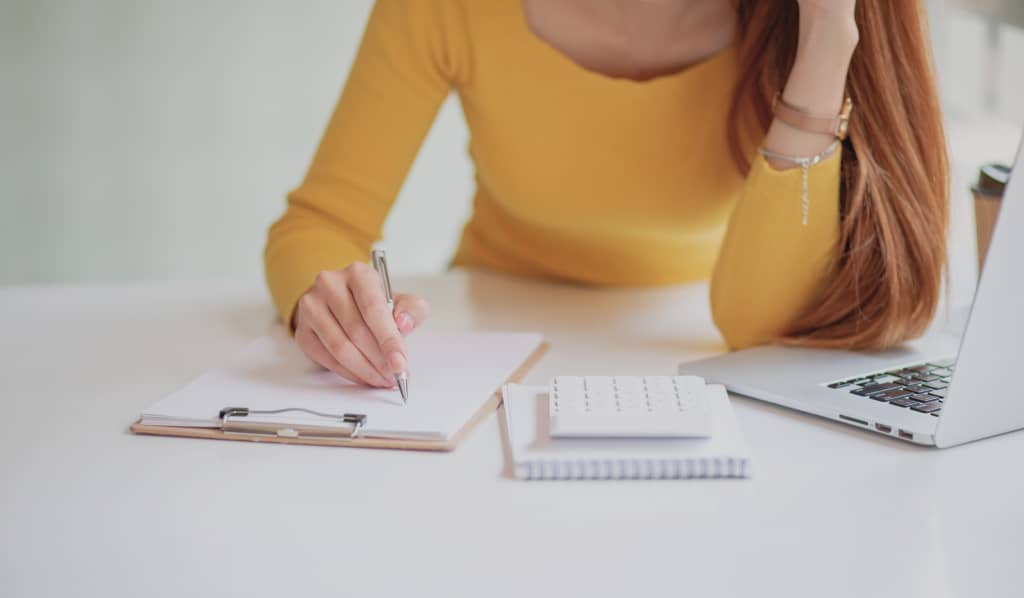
(537, 456)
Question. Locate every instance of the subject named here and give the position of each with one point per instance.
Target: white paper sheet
(450, 377)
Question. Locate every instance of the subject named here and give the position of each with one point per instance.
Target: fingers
(410, 312)
(317, 319)
(343, 307)
(366, 289)
(314, 349)
(344, 324)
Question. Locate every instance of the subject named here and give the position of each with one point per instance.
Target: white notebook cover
(450, 376)
(538, 456)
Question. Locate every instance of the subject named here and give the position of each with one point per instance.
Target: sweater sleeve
(772, 267)
(412, 54)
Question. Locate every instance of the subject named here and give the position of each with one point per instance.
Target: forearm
(779, 251)
(772, 267)
(411, 55)
(817, 81)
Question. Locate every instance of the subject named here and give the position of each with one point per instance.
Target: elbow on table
(740, 325)
(277, 230)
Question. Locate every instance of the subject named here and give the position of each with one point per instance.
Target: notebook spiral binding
(649, 469)
(232, 420)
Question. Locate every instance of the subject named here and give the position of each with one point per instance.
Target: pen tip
(403, 387)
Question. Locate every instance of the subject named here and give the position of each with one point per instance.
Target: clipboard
(235, 427)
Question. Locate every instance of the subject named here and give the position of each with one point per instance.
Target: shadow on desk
(507, 470)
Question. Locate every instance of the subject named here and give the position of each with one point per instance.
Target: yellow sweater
(580, 177)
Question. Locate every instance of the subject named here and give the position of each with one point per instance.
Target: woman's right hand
(343, 323)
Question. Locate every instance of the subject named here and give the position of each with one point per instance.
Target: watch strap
(834, 125)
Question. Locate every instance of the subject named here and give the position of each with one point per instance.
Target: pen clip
(380, 264)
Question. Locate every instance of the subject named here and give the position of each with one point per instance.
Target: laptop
(935, 393)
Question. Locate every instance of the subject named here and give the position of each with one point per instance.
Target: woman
(639, 142)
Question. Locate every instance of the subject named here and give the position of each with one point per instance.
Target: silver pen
(380, 264)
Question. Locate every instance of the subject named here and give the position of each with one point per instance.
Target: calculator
(629, 406)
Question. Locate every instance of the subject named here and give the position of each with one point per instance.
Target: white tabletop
(88, 509)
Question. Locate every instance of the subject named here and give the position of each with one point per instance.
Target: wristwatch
(836, 126)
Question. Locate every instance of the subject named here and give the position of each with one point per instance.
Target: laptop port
(883, 428)
(906, 435)
(853, 419)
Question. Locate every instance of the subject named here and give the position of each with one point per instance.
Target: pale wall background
(157, 139)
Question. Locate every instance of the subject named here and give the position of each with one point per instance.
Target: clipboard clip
(233, 421)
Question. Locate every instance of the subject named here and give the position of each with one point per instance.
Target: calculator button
(629, 406)
(629, 384)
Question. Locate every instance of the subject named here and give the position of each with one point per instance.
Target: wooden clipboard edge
(490, 406)
(492, 403)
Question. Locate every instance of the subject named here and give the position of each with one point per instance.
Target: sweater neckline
(565, 63)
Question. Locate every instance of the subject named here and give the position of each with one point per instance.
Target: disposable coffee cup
(988, 196)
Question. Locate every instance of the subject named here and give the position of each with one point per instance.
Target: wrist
(827, 31)
(828, 38)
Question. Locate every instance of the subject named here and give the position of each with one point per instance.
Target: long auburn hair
(894, 190)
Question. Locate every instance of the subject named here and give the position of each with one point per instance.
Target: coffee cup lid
(992, 179)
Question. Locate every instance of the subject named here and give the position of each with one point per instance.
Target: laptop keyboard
(919, 387)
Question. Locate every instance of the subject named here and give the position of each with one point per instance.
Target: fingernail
(396, 361)
(405, 322)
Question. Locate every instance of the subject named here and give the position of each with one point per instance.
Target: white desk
(87, 509)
